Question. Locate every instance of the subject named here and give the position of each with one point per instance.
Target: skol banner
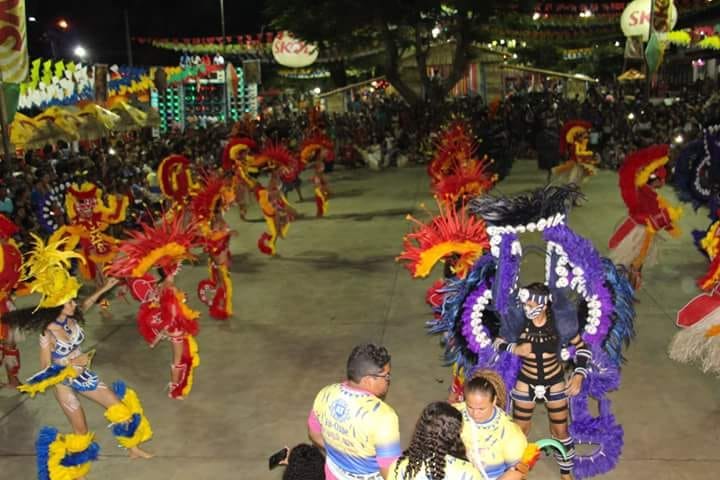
(13, 41)
(291, 52)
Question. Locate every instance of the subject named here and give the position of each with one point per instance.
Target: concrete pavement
(335, 284)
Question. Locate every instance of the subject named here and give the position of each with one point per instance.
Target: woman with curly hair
(436, 451)
(495, 444)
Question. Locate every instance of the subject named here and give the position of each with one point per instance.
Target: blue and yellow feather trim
(129, 424)
(47, 378)
(64, 457)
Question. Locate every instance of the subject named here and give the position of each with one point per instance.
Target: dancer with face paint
(559, 341)
(542, 377)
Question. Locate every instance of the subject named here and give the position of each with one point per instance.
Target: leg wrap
(128, 422)
(12, 361)
(64, 457)
(321, 202)
(188, 362)
(566, 464)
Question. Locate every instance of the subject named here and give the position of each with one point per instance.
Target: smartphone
(276, 458)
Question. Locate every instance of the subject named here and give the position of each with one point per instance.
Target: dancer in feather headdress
(66, 369)
(90, 214)
(164, 313)
(579, 160)
(456, 172)
(208, 208)
(318, 150)
(633, 244)
(579, 317)
(276, 209)
(10, 271)
(697, 181)
(238, 159)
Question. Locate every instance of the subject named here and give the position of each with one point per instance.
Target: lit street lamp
(62, 24)
(80, 52)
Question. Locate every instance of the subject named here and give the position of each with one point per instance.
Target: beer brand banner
(13, 41)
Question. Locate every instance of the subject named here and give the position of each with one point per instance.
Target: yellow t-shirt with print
(455, 469)
(360, 431)
(494, 446)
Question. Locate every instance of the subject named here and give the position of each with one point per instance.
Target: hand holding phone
(277, 457)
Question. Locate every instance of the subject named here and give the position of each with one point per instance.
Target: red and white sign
(635, 19)
(291, 52)
(13, 45)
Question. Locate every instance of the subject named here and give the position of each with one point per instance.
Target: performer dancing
(633, 243)
(163, 313)
(456, 173)
(581, 161)
(66, 368)
(276, 209)
(237, 158)
(318, 149)
(89, 217)
(487, 323)
(208, 207)
(697, 181)
(11, 261)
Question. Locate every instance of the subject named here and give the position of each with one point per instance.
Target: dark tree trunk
(461, 57)
(392, 66)
(338, 74)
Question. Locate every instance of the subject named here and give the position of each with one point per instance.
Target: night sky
(98, 25)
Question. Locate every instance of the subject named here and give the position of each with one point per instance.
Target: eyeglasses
(386, 376)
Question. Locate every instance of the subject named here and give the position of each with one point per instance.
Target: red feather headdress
(637, 169)
(205, 201)
(164, 245)
(175, 178)
(465, 180)
(315, 142)
(450, 232)
(569, 132)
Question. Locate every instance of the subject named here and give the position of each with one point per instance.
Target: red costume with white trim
(642, 173)
(163, 313)
(208, 207)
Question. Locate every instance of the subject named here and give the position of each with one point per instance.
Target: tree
(397, 27)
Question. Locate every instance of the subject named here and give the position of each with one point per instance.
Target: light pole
(226, 106)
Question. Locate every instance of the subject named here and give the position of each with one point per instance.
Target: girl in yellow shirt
(436, 451)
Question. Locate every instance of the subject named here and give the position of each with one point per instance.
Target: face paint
(533, 312)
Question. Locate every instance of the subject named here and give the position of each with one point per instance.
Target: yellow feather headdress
(46, 272)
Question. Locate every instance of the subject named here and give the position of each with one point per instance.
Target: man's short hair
(367, 359)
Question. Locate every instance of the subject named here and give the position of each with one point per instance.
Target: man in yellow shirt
(358, 430)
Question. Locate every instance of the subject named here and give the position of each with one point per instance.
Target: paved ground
(334, 285)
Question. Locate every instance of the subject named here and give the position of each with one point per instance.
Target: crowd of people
(379, 132)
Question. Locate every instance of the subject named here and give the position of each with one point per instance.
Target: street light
(536, 16)
(316, 90)
(32, 19)
(80, 51)
(62, 24)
